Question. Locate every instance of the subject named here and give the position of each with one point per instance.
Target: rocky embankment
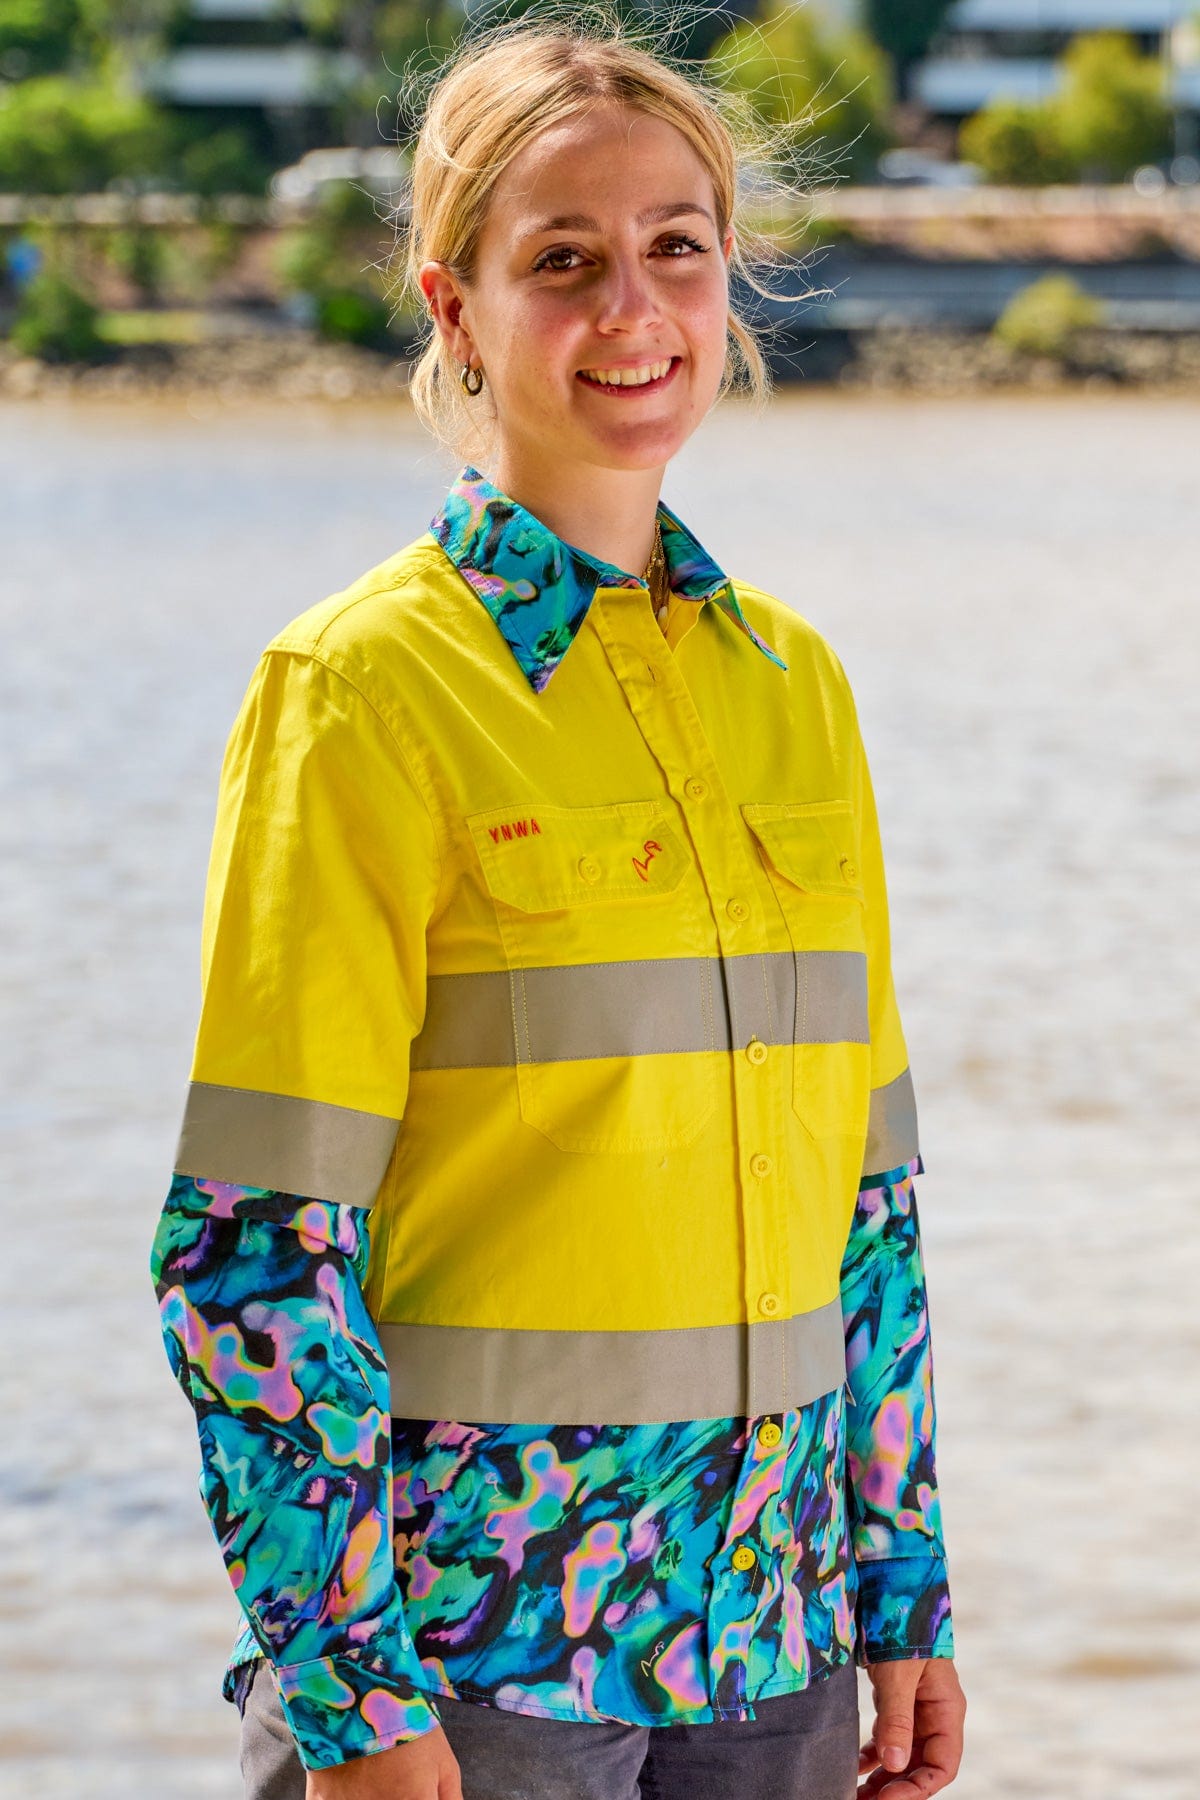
(297, 366)
(276, 366)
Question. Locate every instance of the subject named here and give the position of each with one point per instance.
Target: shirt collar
(538, 588)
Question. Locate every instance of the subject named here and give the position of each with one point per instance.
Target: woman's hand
(424, 1768)
(916, 1744)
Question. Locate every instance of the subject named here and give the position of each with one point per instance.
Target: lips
(634, 377)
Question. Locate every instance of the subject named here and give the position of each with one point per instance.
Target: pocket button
(589, 868)
(849, 869)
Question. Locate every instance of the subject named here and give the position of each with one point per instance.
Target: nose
(627, 297)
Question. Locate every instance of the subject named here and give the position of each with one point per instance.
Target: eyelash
(677, 237)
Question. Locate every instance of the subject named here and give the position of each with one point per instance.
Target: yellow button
(768, 1304)
(849, 869)
(769, 1433)
(743, 1557)
(756, 1051)
(694, 788)
(737, 909)
(589, 868)
(760, 1166)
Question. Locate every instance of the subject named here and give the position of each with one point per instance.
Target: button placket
(674, 736)
(748, 1572)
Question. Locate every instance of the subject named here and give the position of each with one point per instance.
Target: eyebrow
(655, 215)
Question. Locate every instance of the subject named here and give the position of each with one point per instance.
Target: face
(597, 308)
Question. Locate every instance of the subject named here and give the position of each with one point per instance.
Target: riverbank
(296, 366)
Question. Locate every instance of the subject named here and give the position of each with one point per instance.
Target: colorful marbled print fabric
(538, 588)
(267, 1333)
(904, 1602)
(570, 1572)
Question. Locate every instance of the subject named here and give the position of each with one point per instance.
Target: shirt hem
(709, 1715)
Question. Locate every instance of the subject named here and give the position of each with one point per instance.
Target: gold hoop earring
(470, 380)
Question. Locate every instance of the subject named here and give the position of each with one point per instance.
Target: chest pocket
(808, 850)
(613, 1031)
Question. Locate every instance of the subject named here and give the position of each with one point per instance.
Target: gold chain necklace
(655, 577)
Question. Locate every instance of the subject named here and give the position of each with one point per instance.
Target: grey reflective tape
(276, 1141)
(481, 1375)
(760, 997)
(493, 1019)
(831, 997)
(891, 1126)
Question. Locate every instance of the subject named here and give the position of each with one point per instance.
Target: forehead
(604, 162)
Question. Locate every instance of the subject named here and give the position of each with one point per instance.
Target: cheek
(538, 337)
(707, 326)
(703, 312)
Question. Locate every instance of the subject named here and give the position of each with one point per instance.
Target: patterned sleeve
(903, 1595)
(269, 1337)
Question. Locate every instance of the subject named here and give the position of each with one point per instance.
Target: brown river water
(1012, 584)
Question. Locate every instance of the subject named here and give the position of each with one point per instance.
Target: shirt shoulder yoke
(796, 638)
(346, 628)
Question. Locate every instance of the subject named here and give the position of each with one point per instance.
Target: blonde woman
(542, 1256)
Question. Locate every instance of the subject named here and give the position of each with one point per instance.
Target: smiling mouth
(645, 377)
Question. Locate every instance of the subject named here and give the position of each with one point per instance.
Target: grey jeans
(801, 1746)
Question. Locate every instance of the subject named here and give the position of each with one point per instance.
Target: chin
(650, 449)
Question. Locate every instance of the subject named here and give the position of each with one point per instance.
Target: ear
(445, 296)
(727, 243)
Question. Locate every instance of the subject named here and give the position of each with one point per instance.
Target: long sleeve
(268, 1334)
(903, 1595)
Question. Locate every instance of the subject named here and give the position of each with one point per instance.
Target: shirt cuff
(903, 1609)
(892, 1177)
(357, 1702)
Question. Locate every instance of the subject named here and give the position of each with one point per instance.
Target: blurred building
(1011, 49)
(251, 63)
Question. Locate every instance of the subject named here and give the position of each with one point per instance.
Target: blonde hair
(489, 100)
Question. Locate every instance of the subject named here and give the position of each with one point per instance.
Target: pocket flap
(566, 856)
(810, 843)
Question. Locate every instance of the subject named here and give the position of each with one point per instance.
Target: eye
(545, 261)
(680, 239)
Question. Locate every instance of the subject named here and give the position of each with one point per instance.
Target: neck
(609, 513)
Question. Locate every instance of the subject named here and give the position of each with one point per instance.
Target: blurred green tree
(1045, 318)
(61, 136)
(826, 92)
(56, 318)
(1110, 116)
(37, 37)
(1113, 111)
(324, 261)
(1017, 143)
(140, 254)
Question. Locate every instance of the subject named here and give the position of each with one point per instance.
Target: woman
(546, 959)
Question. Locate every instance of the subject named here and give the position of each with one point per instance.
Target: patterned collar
(538, 588)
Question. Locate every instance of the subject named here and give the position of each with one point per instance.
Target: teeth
(629, 377)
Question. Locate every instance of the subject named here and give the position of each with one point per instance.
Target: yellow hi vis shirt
(564, 945)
